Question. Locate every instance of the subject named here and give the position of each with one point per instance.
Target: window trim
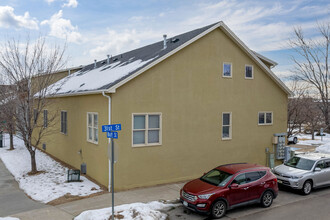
(230, 126)
(223, 70)
(45, 125)
(93, 138)
(252, 77)
(66, 123)
(265, 123)
(146, 144)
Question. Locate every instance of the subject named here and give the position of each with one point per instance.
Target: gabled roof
(265, 59)
(124, 67)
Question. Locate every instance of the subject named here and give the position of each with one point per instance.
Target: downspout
(109, 122)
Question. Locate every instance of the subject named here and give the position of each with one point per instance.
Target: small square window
(227, 70)
(265, 118)
(249, 72)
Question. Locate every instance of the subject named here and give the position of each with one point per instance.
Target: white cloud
(9, 19)
(62, 28)
(114, 42)
(71, 3)
(49, 1)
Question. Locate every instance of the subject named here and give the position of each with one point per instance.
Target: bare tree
(312, 63)
(312, 114)
(29, 67)
(296, 105)
(7, 112)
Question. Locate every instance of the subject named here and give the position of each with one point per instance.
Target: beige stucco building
(186, 105)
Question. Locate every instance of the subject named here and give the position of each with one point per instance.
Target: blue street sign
(112, 135)
(114, 127)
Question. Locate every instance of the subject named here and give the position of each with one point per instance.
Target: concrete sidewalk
(68, 211)
(12, 198)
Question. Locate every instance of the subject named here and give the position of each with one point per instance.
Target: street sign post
(112, 134)
(110, 129)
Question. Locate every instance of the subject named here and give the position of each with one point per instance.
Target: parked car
(305, 172)
(229, 186)
(293, 139)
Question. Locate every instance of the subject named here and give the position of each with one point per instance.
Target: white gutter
(109, 122)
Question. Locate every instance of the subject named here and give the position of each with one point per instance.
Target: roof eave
(271, 62)
(76, 94)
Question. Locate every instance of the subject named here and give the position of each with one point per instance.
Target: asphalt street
(288, 205)
(12, 199)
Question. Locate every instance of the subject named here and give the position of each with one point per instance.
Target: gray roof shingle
(141, 56)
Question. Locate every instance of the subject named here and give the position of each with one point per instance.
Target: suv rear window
(262, 173)
(253, 176)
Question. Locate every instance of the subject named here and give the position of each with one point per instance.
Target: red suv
(229, 186)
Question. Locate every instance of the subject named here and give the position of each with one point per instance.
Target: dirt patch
(304, 148)
(69, 198)
(35, 173)
(117, 216)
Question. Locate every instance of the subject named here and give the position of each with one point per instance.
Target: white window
(227, 70)
(45, 118)
(64, 119)
(92, 127)
(226, 125)
(248, 72)
(146, 129)
(265, 118)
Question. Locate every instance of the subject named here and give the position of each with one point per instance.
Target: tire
(307, 188)
(295, 140)
(218, 209)
(267, 199)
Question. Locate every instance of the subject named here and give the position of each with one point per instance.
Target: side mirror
(234, 186)
(317, 169)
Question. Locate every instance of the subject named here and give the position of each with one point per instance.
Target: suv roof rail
(230, 164)
(251, 168)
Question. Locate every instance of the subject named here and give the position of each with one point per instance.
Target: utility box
(83, 168)
(73, 175)
(280, 146)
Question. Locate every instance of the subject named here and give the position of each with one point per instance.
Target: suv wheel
(267, 199)
(218, 209)
(295, 140)
(307, 187)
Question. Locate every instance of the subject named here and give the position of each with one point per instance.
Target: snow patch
(134, 211)
(46, 186)
(8, 218)
(97, 78)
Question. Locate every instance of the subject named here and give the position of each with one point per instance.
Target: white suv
(305, 172)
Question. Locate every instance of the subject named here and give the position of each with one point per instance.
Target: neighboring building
(186, 105)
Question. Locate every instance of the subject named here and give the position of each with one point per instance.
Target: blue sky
(94, 29)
